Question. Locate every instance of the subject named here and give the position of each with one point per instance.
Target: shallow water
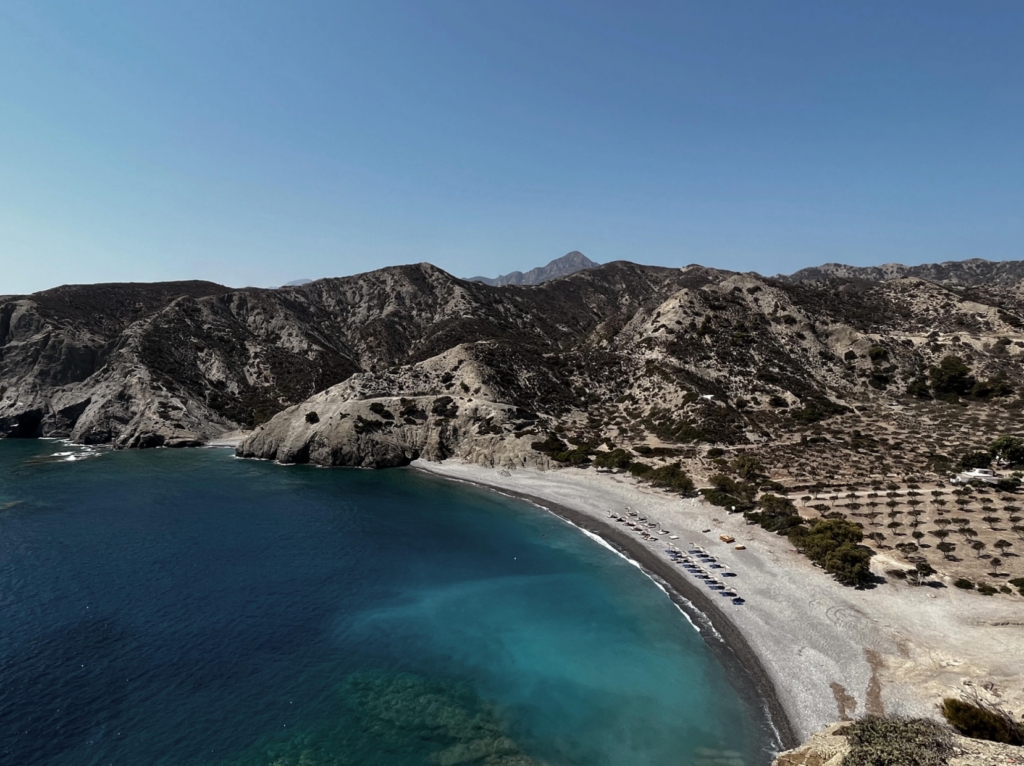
(185, 607)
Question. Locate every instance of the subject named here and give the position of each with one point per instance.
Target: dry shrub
(895, 741)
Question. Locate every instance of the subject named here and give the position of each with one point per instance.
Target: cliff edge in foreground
(832, 747)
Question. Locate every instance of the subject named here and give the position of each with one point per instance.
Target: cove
(186, 607)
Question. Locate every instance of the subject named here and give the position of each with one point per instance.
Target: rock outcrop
(331, 429)
(830, 747)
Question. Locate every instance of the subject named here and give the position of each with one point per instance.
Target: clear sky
(256, 142)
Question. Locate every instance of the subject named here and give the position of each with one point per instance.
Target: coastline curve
(724, 638)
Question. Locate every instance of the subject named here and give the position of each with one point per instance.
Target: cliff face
(330, 429)
(69, 363)
(627, 352)
(169, 364)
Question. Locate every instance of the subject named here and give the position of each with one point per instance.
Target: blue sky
(255, 142)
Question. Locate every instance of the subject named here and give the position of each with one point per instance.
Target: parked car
(986, 475)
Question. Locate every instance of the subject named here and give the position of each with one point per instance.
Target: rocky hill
(969, 273)
(568, 264)
(378, 368)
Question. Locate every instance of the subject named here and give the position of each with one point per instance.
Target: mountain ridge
(968, 273)
(568, 264)
(619, 351)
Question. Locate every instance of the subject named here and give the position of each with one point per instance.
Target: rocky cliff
(622, 352)
(332, 429)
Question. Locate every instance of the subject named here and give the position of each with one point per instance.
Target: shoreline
(727, 641)
(817, 651)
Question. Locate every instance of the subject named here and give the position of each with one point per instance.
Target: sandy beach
(229, 439)
(820, 652)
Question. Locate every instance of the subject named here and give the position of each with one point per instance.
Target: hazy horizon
(261, 143)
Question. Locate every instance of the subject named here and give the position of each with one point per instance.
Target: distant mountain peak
(568, 264)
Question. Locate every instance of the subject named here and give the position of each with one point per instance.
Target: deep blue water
(185, 607)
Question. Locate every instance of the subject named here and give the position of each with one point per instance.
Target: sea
(189, 608)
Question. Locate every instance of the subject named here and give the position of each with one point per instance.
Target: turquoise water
(186, 607)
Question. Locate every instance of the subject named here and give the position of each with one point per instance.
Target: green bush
(445, 407)
(556, 449)
(993, 388)
(551, 445)
(951, 376)
(850, 564)
(835, 545)
(979, 722)
(919, 388)
(964, 584)
(640, 470)
(777, 514)
(1010, 449)
(816, 411)
(364, 426)
(411, 411)
(894, 741)
(617, 459)
(747, 466)
(578, 456)
(1008, 484)
(877, 354)
(488, 426)
(312, 417)
(922, 571)
(381, 411)
(879, 380)
(671, 477)
(976, 459)
(726, 492)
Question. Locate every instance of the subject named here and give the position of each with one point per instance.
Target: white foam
(656, 580)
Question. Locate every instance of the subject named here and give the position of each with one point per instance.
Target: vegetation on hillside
(897, 741)
(981, 720)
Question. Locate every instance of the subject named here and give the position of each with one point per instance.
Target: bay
(186, 607)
